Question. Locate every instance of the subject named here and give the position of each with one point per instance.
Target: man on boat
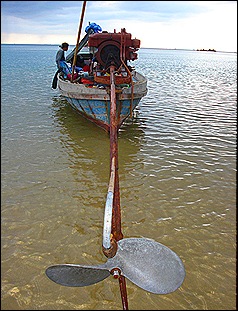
(60, 56)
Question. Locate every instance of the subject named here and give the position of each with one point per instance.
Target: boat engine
(113, 48)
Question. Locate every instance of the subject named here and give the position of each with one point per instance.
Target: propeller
(148, 264)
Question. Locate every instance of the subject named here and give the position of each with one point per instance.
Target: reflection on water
(177, 170)
(82, 138)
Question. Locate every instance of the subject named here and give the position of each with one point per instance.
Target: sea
(177, 174)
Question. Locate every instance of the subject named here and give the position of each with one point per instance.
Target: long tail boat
(148, 264)
(89, 92)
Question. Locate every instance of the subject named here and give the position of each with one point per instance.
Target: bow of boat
(93, 101)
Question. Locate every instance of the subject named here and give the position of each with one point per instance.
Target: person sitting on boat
(60, 56)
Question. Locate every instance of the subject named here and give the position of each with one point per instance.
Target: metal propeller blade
(145, 262)
(150, 265)
(77, 275)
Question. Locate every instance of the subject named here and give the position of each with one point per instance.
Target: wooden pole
(77, 44)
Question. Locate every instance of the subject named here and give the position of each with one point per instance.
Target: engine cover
(112, 48)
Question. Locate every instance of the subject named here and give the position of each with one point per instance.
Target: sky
(158, 24)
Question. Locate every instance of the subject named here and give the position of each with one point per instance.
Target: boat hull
(94, 102)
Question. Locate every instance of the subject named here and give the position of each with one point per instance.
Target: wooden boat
(89, 92)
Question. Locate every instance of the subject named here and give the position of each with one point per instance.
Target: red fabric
(86, 81)
(86, 68)
(69, 75)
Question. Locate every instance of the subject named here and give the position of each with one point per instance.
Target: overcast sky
(158, 24)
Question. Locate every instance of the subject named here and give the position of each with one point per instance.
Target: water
(177, 170)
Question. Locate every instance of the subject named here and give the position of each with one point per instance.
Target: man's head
(65, 46)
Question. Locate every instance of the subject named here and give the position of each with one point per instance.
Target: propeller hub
(116, 272)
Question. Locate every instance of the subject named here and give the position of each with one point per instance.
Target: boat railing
(122, 76)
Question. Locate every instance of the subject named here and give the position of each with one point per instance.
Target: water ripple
(177, 169)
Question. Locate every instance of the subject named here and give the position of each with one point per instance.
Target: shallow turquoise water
(177, 170)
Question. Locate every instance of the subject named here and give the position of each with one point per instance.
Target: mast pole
(77, 44)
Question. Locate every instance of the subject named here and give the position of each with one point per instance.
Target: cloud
(161, 24)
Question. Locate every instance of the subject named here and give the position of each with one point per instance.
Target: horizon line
(182, 49)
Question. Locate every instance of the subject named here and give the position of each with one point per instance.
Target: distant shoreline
(169, 49)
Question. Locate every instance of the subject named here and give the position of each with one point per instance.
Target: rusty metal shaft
(122, 283)
(116, 211)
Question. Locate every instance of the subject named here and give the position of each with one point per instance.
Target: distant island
(209, 50)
